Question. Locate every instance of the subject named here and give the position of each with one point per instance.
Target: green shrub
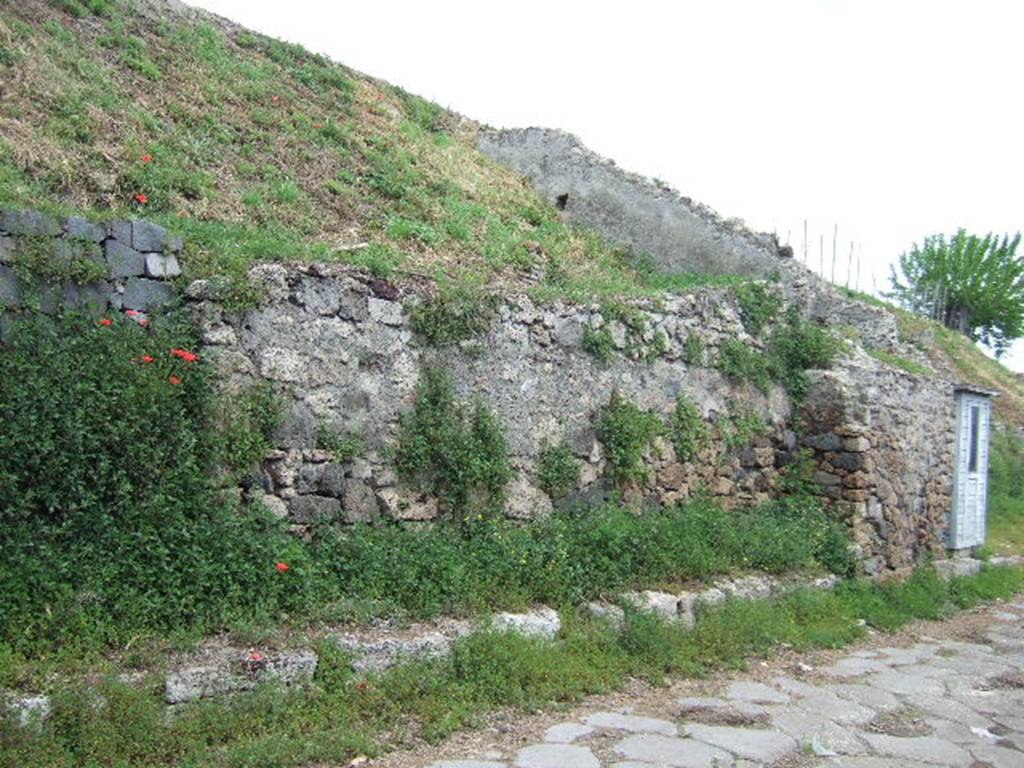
(452, 315)
(627, 432)
(111, 524)
(687, 429)
(1006, 492)
(245, 423)
(558, 471)
(758, 306)
(901, 362)
(693, 350)
(737, 360)
(343, 446)
(798, 345)
(739, 426)
(598, 342)
(451, 449)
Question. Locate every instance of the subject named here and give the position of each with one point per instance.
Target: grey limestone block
(160, 266)
(147, 236)
(83, 229)
(31, 223)
(10, 287)
(146, 295)
(309, 509)
(93, 298)
(123, 261)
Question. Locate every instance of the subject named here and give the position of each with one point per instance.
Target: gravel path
(943, 694)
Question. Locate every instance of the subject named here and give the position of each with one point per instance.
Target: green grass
(1006, 493)
(901, 362)
(343, 714)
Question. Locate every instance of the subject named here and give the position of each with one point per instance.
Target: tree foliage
(971, 284)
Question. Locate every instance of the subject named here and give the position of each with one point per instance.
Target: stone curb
(234, 670)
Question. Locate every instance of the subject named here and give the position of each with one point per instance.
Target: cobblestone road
(938, 702)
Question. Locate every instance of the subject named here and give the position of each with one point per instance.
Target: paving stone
(1005, 616)
(467, 764)
(854, 667)
(668, 751)
(873, 762)
(564, 733)
(756, 693)
(949, 708)
(751, 743)
(631, 723)
(807, 728)
(796, 687)
(996, 756)
(556, 756)
(831, 706)
(907, 685)
(928, 749)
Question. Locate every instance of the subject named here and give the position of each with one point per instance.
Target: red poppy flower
(132, 312)
(318, 126)
(140, 198)
(283, 567)
(147, 158)
(175, 380)
(253, 656)
(147, 358)
(143, 322)
(274, 99)
(106, 321)
(188, 357)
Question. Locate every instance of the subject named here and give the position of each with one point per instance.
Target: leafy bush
(687, 429)
(693, 350)
(627, 432)
(558, 471)
(110, 522)
(598, 342)
(452, 315)
(738, 361)
(798, 345)
(451, 449)
(739, 427)
(1006, 492)
(343, 446)
(758, 306)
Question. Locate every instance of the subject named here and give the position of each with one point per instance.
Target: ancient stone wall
(52, 264)
(677, 233)
(339, 348)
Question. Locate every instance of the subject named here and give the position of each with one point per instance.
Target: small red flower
(147, 158)
(253, 656)
(175, 380)
(148, 359)
(274, 99)
(143, 322)
(106, 321)
(141, 199)
(283, 567)
(132, 312)
(188, 357)
(362, 685)
(318, 126)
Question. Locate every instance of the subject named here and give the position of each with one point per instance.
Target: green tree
(972, 284)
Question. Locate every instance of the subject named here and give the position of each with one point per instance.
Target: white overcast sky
(890, 120)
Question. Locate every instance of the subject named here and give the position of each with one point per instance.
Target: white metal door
(970, 473)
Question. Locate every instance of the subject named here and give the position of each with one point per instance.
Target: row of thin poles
(853, 258)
